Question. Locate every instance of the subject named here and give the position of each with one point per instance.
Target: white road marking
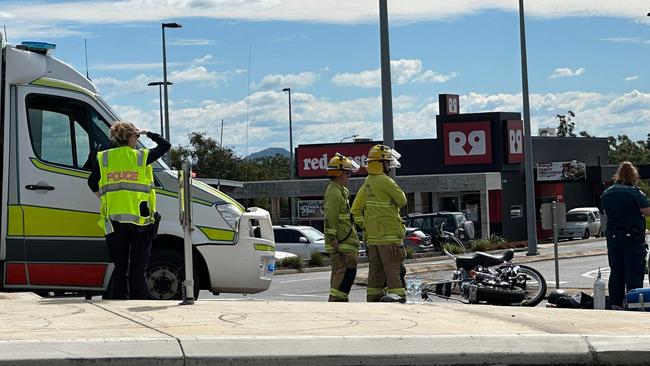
(295, 295)
(307, 279)
(604, 272)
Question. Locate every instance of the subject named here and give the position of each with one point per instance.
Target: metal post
(166, 135)
(291, 164)
(185, 205)
(162, 124)
(555, 250)
(386, 91)
(531, 221)
(221, 164)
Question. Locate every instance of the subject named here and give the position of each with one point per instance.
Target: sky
(587, 56)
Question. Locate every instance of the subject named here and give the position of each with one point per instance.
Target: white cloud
(626, 40)
(135, 66)
(630, 78)
(434, 77)
(333, 11)
(563, 72)
(402, 71)
(320, 120)
(139, 66)
(192, 42)
(279, 81)
(197, 74)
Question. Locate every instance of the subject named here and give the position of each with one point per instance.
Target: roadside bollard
(185, 216)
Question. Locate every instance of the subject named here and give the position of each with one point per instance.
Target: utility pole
(386, 93)
(531, 217)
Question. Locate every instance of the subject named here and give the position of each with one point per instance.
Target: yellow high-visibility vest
(126, 187)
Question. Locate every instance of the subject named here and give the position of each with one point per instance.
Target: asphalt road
(574, 273)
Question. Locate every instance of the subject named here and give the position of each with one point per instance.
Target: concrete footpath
(54, 332)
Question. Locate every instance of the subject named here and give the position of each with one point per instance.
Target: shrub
(454, 249)
(292, 263)
(496, 239)
(410, 253)
(317, 259)
(481, 245)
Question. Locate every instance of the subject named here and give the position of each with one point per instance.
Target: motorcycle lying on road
(486, 278)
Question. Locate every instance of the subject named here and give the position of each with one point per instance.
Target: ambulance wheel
(165, 275)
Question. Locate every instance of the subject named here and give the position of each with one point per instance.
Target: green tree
(622, 148)
(213, 161)
(565, 125)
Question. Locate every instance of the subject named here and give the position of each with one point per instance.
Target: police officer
(123, 179)
(376, 210)
(341, 240)
(625, 206)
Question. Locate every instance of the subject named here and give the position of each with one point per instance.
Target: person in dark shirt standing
(122, 178)
(625, 206)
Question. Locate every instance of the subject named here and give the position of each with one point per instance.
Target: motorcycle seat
(472, 260)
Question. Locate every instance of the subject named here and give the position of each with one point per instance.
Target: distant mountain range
(271, 151)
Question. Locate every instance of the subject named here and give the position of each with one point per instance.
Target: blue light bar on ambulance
(39, 47)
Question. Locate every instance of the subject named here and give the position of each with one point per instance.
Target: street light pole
(531, 218)
(163, 26)
(291, 164)
(291, 169)
(349, 137)
(386, 93)
(160, 99)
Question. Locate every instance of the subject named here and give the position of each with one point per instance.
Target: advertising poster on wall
(561, 171)
(311, 209)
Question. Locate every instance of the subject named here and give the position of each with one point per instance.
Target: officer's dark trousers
(129, 248)
(627, 260)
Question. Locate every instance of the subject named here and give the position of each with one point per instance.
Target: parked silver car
(299, 240)
(581, 223)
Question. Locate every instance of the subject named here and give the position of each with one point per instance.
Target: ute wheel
(500, 296)
(586, 235)
(165, 275)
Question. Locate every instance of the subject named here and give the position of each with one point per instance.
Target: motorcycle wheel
(535, 287)
(500, 296)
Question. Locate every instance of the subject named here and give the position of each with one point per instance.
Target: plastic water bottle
(599, 292)
(410, 290)
(417, 290)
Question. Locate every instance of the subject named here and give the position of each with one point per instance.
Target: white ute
(52, 123)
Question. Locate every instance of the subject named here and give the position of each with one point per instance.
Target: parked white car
(299, 240)
(581, 222)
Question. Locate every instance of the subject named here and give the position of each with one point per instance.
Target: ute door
(60, 132)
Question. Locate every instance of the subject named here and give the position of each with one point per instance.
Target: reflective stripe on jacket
(376, 210)
(338, 225)
(125, 187)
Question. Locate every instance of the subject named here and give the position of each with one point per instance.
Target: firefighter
(341, 239)
(122, 178)
(376, 210)
(625, 206)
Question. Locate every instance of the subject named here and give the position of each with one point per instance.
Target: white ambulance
(52, 123)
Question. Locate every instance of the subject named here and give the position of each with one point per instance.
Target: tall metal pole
(386, 93)
(162, 124)
(166, 134)
(291, 164)
(221, 164)
(531, 221)
(292, 168)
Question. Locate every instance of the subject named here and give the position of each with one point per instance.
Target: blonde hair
(121, 132)
(627, 173)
